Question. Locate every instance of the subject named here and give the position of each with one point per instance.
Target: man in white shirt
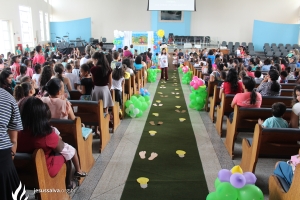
(74, 79)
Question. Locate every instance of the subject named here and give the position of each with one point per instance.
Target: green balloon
(142, 99)
(217, 182)
(212, 196)
(138, 104)
(250, 192)
(128, 102)
(140, 114)
(147, 98)
(144, 106)
(133, 98)
(192, 96)
(226, 191)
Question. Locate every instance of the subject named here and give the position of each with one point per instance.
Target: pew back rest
(75, 94)
(279, 142)
(127, 86)
(267, 101)
(287, 92)
(226, 103)
(210, 88)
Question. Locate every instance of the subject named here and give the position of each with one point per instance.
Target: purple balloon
(224, 175)
(250, 178)
(238, 180)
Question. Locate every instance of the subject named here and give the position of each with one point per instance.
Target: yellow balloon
(237, 169)
(160, 33)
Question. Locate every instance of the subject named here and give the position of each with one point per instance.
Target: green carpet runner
(170, 177)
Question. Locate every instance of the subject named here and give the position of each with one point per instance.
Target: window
(42, 26)
(26, 26)
(5, 38)
(47, 27)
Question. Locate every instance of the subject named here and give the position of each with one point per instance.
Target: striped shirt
(9, 118)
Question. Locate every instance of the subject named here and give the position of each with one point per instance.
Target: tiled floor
(107, 178)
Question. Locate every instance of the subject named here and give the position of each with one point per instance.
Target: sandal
(74, 184)
(78, 174)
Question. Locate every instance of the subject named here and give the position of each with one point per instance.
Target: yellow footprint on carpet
(180, 153)
(143, 181)
(176, 89)
(152, 133)
(178, 106)
(182, 119)
(155, 114)
(158, 101)
(177, 97)
(159, 93)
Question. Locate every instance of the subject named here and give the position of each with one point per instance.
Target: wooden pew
(278, 192)
(292, 81)
(271, 142)
(128, 90)
(115, 110)
(33, 173)
(284, 85)
(287, 92)
(223, 109)
(244, 119)
(267, 101)
(144, 78)
(133, 84)
(214, 101)
(138, 80)
(210, 91)
(75, 95)
(70, 131)
(91, 113)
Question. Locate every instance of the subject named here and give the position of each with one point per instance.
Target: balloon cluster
(196, 82)
(198, 97)
(185, 69)
(187, 77)
(160, 33)
(144, 92)
(235, 185)
(137, 105)
(152, 74)
(118, 34)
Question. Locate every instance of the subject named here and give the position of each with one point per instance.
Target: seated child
(249, 72)
(86, 84)
(23, 71)
(258, 79)
(23, 90)
(278, 109)
(118, 82)
(283, 76)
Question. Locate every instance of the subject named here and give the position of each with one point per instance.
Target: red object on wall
(20, 45)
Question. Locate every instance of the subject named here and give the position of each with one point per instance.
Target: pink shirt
(250, 74)
(243, 100)
(39, 58)
(15, 69)
(59, 108)
(29, 72)
(127, 53)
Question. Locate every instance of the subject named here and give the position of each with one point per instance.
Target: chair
(91, 40)
(277, 53)
(285, 53)
(104, 40)
(280, 45)
(273, 45)
(295, 46)
(266, 44)
(252, 53)
(71, 45)
(270, 54)
(244, 44)
(288, 45)
(288, 48)
(224, 44)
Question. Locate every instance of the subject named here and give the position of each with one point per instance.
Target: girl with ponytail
(59, 69)
(269, 86)
(23, 90)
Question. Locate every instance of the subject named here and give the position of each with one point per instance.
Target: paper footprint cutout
(160, 123)
(142, 154)
(176, 89)
(177, 97)
(173, 92)
(177, 93)
(160, 104)
(155, 114)
(182, 119)
(152, 123)
(183, 111)
(177, 111)
(159, 93)
(178, 106)
(154, 104)
(158, 101)
(153, 155)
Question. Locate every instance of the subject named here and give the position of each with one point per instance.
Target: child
(191, 59)
(18, 51)
(283, 76)
(135, 53)
(181, 60)
(36, 76)
(290, 74)
(23, 70)
(76, 69)
(164, 64)
(258, 79)
(15, 66)
(118, 82)
(38, 133)
(74, 79)
(186, 55)
(29, 72)
(39, 57)
(278, 109)
(175, 60)
(64, 61)
(249, 72)
(86, 84)
(116, 57)
(23, 90)
(60, 108)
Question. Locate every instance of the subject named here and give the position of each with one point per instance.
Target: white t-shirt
(296, 110)
(163, 61)
(73, 79)
(76, 72)
(117, 84)
(83, 60)
(36, 78)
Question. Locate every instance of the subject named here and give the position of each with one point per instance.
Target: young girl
(118, 82)
(36, 76)
(164, 64)
(23, 70)
(76, 69)
(86, 84)
(23, 90)
(59, 106)
(29, 72)
(181, 60)
(39, 57)
(59, 69)
(15, 66)
(102, 78)
(175, 60)
(38, 133)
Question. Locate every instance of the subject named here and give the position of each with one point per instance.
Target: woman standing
(102, 79)
(164, 64)
(6, 78)
(10, 123)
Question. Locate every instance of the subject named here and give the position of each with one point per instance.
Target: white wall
(10, 11)
(233, 20)
(106, 15)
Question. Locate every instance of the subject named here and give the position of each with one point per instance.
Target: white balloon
(116, 34)
(121, 34)
(136, 111)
